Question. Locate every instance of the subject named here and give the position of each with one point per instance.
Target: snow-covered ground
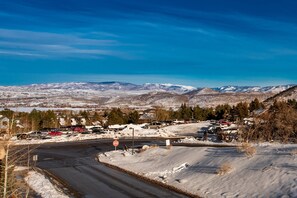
(170, 131)
(42, 186)
(271, 172)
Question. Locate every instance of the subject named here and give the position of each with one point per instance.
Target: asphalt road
(75, 164)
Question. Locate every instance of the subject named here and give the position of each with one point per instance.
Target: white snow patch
(43, 186)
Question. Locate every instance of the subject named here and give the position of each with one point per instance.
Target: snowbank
(194, 141)
(271, 172)
(42, 186)
(185, 129)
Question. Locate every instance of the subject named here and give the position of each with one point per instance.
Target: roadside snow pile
(188, 129)
(189, 140)
(20, 168)
(43, 186)
(139, 131)
(192, 140)
(63, 138)
(270, 172)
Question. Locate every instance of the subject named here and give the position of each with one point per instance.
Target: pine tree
(133, 117)
(116, 116)
(255, 105)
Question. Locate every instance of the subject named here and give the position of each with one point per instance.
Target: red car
(79, 129)
(55, 133)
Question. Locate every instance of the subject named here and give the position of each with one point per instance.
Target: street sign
(167, 142)
(115, 143)
(168, 145)
(35, 158)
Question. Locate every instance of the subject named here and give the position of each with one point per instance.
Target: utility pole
(132, 140)
(6, 171)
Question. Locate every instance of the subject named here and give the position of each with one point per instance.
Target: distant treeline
(279, 118)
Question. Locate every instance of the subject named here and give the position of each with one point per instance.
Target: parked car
(35, 135)
(22, 136)
(79, 129)
(55, 133)
(97, 130)
(86, 132)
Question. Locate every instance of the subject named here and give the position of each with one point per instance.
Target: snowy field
(270, 172)
(39, 183)
(170, 131)
(42, 186)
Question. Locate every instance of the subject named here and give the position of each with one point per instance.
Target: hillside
(287, 94)
(121, 94)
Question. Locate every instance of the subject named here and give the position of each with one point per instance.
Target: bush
(247, 149)
(224, 169)
(294, 152)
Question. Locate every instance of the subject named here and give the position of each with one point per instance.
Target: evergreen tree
(49, 119)
(7, 113)
(242, 110)
(255, 105)
(292, 103)
(96, 117)
(222, 111)
(198, 113)
(86, 116)
(185, 113)
(133, 117)
(116, 116)
(35, 120)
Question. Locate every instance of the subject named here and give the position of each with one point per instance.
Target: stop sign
(115, 143)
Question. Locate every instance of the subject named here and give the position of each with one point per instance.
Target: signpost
(35, 158)
(167, 142)
(168, 145)
(115, 144)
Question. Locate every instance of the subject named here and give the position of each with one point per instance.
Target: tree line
(37, 120)
(232, 113)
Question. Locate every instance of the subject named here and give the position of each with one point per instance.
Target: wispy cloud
(19, 53)
(45, 44)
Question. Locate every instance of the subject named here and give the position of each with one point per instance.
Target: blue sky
(199, 43)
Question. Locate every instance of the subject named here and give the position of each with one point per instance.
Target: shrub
(224, 169)
(294, 152)
(247, 149)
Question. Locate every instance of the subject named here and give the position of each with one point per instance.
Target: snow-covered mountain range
(123, 86)
(108, 86)
(245, 89)
(121, 94)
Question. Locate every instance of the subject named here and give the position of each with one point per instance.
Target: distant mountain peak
(169, 87)
(290, 93)
(247, 89)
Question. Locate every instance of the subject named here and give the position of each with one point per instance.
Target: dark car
(22, 136)
(97, 130)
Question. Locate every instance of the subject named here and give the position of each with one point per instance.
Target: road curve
(75, 165)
